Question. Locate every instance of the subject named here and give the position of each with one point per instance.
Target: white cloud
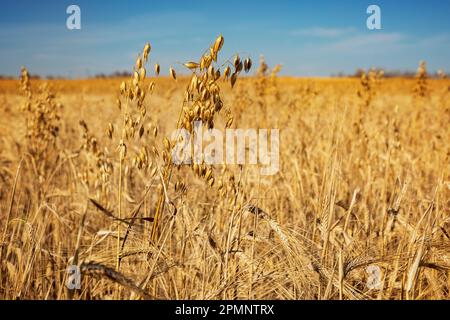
(438, 39)
(323, 32)
(368, 42)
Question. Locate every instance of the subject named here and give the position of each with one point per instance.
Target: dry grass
(364, 181)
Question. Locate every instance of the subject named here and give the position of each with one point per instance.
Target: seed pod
(157, 69)
(217, 103)
(203, 170)
(188, 126)
(155, 151)
(217, 75)
(207, 115)
(110, 130)
(201, 86)
(194, 82)
(196, 168)
(141, 96)
(143, 154)
(197, 110)
(229, 122)
(146, 50)
(205, 94)
(123, 87)
(151, 86)
(191, 65)
(138, 63)
(137, 90)
(211, 71)
(239, 67)
(211, 182)
(202, 63)
(84, 125)
(185, 111)
(155, 132)
(247, 65)
(191, 115)
(143, 112)
(226, 72)
(122, 150)
(208, 61)
(180, 187)
(119, 104)
(208, 174)
(166, 144)
(233, 79)
(218, 43)
(142, 74)
(173, 73)
(213, 54)
(237, 60)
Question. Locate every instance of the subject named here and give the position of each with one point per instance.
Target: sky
(308, 38)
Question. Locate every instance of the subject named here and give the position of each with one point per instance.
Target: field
(359, 209)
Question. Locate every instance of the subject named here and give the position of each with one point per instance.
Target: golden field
(363, 185)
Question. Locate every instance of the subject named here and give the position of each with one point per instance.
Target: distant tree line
(386, 74)
(116, 74)
(357, 74)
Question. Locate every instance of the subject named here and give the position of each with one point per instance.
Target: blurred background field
(364, 181)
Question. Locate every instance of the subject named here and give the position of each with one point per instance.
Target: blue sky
(309, 38)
